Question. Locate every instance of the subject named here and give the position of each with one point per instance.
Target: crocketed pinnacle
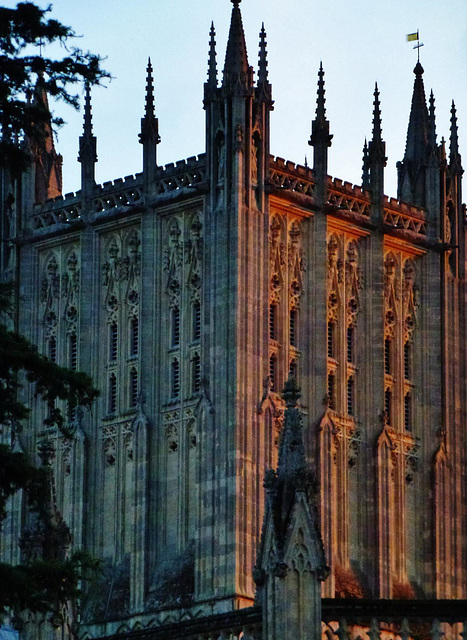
(236, 70)
(454, 155)
(417, 133)
(87, 119)
(377, 127)
(263, 55)
(149, 104)
(149, 123)
(212, 60)
(320, 126)
(321, 100)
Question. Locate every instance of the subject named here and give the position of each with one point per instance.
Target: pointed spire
(212, 60)
(417, 133)
(365, 167)
(48, 163)
(149, 105)
(236, 69)
(454, 155)
(87, 129)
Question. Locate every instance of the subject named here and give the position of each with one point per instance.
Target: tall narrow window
(175, 327)
(387, 355)
(273, 321)
(388, 405)
(408, 412)
(175, 379)
(407, 354)
(53, 349)
(350, 396)
(133, 387)
(293, 370)
(134, 336)
(293, 328)
(196, 321)
(113, 341)
(73, 351)
(196, 373)
(272, 372)
(350, 344)
(332, 391)
(331, 338)
(112, 394)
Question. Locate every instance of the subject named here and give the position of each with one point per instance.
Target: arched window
(388, 405)
(408, 412)
(133, 387)
(293, 327)
(112, 394)
(134, 336)
(73, 351)
(53, 349)
(196, 311)
(350, 344)
(388, 356)
(350, 396)
(196, 373)
(332, 391)
(272, 372)
(331, 339)
(113, 341)
(175, 379)
(407, 361)
(175, 342)
(293, 370)
(273, 321)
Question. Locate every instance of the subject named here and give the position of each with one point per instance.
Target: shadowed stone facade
(190, 292)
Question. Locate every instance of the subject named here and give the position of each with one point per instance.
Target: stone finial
(263, 55)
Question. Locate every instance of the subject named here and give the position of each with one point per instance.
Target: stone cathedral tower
(190, 293)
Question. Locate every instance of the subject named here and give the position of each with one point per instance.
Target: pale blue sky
(359, 42)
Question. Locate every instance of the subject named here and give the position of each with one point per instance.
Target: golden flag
(412, 36)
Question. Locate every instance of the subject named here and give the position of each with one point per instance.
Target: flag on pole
(412, 36)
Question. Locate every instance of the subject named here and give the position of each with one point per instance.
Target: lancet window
(175, 327)
(73, 351)
(134, 336)
(343, 288)
(293, 327)
(112, 394)
(196, 323)
(113, 341)
(52, 349)
(196, 373)
(134, 391)
(399, 325)
(175, 379)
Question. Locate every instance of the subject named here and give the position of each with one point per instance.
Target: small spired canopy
(236, 69)
(455, 162)
(291, 492)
